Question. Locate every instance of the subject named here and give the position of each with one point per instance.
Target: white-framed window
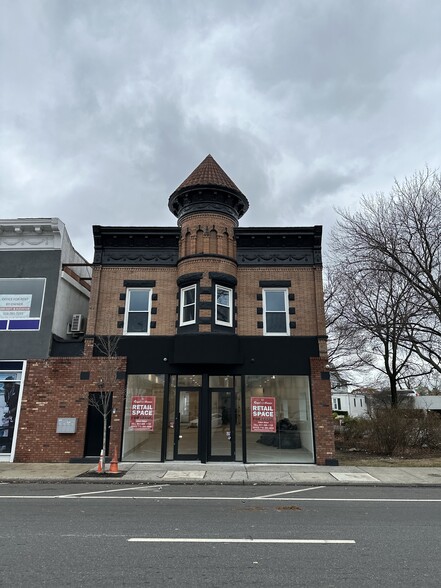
(188, 306)
(137, 315)
(224, 306)
(21, 303)
(336, 404)
(275, 311)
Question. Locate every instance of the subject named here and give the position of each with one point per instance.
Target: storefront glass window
(278, 419)
(143, 418)
(171, 417)
(9, 396)
(221, 381)
(239, 434)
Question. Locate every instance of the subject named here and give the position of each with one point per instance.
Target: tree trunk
(104, 439)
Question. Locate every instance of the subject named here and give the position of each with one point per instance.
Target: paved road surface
(89, 535)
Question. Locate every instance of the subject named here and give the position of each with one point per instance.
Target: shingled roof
(208, 188)
(208, 173)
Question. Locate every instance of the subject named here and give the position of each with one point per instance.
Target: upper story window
(275, 311)
(224, 306)
(21, 303)
(137, 316)
(188, 305)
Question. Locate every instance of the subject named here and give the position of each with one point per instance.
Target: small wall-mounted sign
(66, 425)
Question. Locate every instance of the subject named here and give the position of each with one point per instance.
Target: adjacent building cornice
(23, 234)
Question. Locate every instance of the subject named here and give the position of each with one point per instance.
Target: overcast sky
(108, 105)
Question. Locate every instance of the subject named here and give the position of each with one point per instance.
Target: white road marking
(93, 496)
(247, 540)
(292, 492)
(81, 494)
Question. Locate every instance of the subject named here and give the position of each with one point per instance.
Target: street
(184, 535)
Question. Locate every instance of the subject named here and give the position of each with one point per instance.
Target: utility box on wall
(67, 425)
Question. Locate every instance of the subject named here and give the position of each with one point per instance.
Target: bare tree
(399, 234)
(101, 401)
(374, 310)
(347, 354)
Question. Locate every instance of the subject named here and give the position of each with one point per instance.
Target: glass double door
(204, 421)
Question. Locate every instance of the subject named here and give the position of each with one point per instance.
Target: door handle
(180, 436)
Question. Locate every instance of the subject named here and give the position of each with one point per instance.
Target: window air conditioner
(76, 325)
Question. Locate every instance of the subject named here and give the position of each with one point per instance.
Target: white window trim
(38, 317)
(287, 331)
(230, 306)
(183, 323)
(126, 313)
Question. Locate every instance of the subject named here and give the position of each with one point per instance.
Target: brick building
(221, 341)
(43, 286)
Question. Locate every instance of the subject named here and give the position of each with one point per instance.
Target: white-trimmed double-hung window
(275, 311)
(188, 306)
(224, 306)
(137, 314)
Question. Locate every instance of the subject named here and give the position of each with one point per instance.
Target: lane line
(247, 540)
(80, 494)
(29, 497)
(292, 492)
(220, 499)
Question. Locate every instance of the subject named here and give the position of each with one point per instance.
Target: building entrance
(204, 418)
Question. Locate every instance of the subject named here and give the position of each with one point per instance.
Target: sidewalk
(222, 473)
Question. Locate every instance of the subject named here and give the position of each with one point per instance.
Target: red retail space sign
(142, 413)
(263, 414)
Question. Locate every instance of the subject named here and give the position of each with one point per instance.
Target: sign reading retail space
(263, 414)
(142, 413)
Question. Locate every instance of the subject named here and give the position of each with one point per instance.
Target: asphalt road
(99, 535)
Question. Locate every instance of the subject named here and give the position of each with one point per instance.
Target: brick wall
(107, 309)
(106, 313)
(322, 411)
(305, 285)
(53, 388)
(207, 233)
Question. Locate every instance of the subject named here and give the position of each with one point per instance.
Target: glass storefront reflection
(278, 422)
(278, 418)
(9, 394)
(143, 418)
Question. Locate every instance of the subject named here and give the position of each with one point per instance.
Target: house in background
(221, 342)
(352, 404)
(44, 299)
(430, 403)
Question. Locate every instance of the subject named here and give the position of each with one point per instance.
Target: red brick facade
(322, 411)
(54, 389)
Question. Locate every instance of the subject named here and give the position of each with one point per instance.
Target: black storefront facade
(205, 389)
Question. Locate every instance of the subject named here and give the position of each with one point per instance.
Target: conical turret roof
(208, 173)
(215, 189)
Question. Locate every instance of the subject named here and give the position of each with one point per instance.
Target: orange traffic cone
(114, 463)
(101, 466)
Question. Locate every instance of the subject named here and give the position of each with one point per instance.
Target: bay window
(188, 306)
(224, 300)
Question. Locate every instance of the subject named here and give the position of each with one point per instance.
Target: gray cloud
(106, 106)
